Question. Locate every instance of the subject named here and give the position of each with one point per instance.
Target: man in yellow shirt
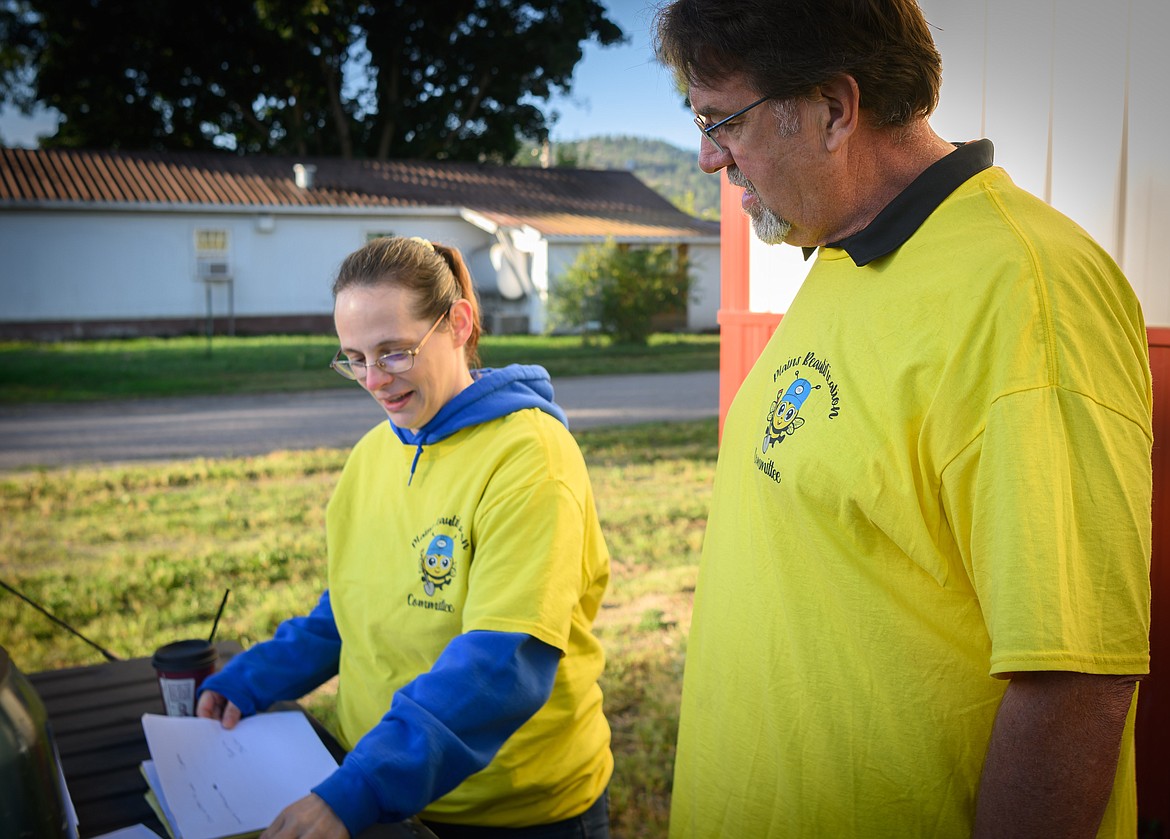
(923, 604)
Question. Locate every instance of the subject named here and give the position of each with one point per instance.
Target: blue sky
(616, 90)
(623, 90)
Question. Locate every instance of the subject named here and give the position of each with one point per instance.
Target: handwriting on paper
(222, 783)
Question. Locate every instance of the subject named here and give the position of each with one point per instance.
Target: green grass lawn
(75, 371)
(136, 556)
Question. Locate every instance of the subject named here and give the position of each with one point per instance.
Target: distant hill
(668, 170)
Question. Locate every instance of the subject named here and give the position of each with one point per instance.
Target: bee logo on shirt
(784, 415)
(437, 564)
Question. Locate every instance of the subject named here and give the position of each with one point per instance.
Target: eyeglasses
(709, 130)
(391, 362)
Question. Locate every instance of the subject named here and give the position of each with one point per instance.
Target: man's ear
(461, 321)
(842, 110)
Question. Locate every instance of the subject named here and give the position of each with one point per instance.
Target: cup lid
(192, 654)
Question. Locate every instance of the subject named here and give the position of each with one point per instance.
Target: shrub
(618, 290)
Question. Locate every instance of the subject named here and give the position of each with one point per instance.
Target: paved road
(223, 426)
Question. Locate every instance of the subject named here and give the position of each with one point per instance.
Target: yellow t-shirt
(936, 474)
(496, 531)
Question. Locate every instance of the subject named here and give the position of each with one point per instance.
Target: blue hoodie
(436, 732)
(491, 395)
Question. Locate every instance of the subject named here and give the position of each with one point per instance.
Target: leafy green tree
(459, 79)
(621, 289)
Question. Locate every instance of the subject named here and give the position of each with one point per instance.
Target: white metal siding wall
(63, 266)
(703, 310)
(1074, 95)
(118, 265)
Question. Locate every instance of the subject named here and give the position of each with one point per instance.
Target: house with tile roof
(111, 243)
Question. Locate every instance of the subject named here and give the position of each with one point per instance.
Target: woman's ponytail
(454, 260)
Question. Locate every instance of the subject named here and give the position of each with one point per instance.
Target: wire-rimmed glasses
(395, 362)
(709, 130)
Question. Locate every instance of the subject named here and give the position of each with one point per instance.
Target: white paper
(156, 787)
(221, 783)
(138, 831)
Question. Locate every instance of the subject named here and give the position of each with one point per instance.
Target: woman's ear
(462, 321)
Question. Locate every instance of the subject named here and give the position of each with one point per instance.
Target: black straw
(109, 655)
(214, 626)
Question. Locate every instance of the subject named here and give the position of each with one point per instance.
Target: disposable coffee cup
(182, 666)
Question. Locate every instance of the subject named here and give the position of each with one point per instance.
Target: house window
(378, 234)
(211, 242)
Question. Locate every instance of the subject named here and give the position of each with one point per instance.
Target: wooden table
(96, 716)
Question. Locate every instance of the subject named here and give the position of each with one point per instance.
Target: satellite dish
(509, 282)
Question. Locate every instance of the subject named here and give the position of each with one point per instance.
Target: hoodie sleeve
(303, 654)
(443, 726)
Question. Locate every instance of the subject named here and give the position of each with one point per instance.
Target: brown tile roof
(569, 202)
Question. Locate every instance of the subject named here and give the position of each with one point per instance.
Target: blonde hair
(436, 274)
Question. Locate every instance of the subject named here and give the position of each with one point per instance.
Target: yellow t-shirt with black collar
(936, 474)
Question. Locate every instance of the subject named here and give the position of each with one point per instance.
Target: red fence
(1153, 714)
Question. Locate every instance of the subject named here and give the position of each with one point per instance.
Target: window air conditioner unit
(214, 269)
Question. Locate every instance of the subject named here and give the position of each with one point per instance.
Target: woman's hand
(216, 706)
(309, 818)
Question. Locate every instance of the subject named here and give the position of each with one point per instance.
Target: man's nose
(711, 159)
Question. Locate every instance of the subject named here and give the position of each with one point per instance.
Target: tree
(459, 79)
(621, 289)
